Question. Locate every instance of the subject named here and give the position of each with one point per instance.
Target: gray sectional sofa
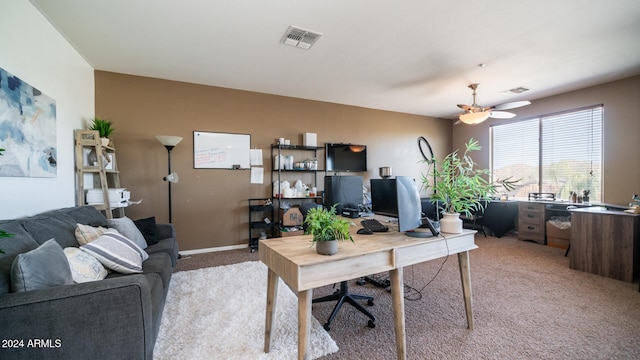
(114, 318)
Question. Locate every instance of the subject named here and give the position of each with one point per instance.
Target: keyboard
(374, 225)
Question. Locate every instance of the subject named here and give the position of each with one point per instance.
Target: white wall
(33, 50)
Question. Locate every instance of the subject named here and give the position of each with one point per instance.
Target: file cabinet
(531, 222)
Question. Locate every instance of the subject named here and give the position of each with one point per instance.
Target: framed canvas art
(27, 129)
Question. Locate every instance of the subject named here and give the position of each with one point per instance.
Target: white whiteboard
(213, 150)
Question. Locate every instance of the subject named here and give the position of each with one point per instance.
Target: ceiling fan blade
(457, 122)
(501, 115)
(512, 105)
(464, 107)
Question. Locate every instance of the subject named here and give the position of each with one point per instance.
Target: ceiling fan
(475, 114)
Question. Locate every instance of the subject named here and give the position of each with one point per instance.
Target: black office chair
(343, 295)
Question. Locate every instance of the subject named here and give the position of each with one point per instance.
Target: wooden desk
(293, 260)
(605, 242)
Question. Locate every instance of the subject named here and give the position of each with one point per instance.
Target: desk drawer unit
(531, 222)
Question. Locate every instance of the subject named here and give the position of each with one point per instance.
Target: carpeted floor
(527, 304)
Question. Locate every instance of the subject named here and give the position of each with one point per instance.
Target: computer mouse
(365, 231)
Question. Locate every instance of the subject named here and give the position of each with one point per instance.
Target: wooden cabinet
(531, 222)
(605, 242)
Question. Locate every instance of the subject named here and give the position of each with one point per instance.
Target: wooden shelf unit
(104, 173)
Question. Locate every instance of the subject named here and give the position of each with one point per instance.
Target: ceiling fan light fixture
(473, 118)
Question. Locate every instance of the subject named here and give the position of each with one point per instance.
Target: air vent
(515, 91)
(300, 38)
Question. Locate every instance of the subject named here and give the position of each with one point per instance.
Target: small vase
(327, 247)
(451, 223)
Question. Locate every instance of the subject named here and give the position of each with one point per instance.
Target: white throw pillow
(84, 267)
(86, 234)
(128, 228)
(117, 252)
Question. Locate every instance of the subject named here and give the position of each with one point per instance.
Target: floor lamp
(169, 143)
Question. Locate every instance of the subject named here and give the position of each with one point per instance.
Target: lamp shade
(168, 140)
(472, 118)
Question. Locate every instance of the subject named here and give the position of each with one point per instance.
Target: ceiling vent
(300, 38)
(515, 91)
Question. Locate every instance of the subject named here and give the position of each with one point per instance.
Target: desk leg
(272, 294)
(397, 298)
(304, 323)
(465, 276)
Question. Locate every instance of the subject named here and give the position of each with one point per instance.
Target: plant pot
(451, 223)
(327, 247)
(105, 141)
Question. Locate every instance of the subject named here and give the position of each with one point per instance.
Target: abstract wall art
(27, 129)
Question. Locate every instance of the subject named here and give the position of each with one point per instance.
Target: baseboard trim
(215, 249)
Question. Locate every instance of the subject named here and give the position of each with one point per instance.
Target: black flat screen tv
(346, 157)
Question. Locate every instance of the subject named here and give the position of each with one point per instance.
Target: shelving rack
(278, 174)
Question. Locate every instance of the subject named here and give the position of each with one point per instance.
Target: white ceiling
(411, 56)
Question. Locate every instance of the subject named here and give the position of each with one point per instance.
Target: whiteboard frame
(236, 156)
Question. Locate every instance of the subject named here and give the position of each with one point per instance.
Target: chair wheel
(326, 326)
(370, 302)
(371, 324)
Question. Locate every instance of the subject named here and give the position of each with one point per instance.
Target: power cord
(410, 293)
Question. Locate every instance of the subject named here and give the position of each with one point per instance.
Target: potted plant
(104, 127)
(460, 187)
(585, 195)
(327, 228)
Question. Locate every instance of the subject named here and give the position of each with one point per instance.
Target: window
(555, 153)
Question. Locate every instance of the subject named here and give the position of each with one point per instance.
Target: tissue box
(309, 139)
(118, 197)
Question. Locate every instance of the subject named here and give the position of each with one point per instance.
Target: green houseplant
(327, 228)
(460, 187)
(103, 126)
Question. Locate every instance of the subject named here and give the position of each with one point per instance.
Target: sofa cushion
(126, 227)
(117, 252)
(148, 229)
(43, 267)
(19, 242)
(87, 233)
(84, 267)
(52, 224)
(169, 246)
(87, 215)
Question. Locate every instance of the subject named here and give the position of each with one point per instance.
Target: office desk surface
(294, 260)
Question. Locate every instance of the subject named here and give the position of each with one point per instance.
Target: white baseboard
(215, 249)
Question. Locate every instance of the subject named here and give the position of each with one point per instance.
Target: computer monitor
(346, 191)
(410, 209)
(383, 197)
(400, 198)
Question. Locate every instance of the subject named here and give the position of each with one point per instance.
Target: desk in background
(302, 269)
(605, 242)
(500, 217)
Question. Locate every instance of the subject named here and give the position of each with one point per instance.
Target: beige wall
(34, 51)
(621, 145)
(210, 206)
